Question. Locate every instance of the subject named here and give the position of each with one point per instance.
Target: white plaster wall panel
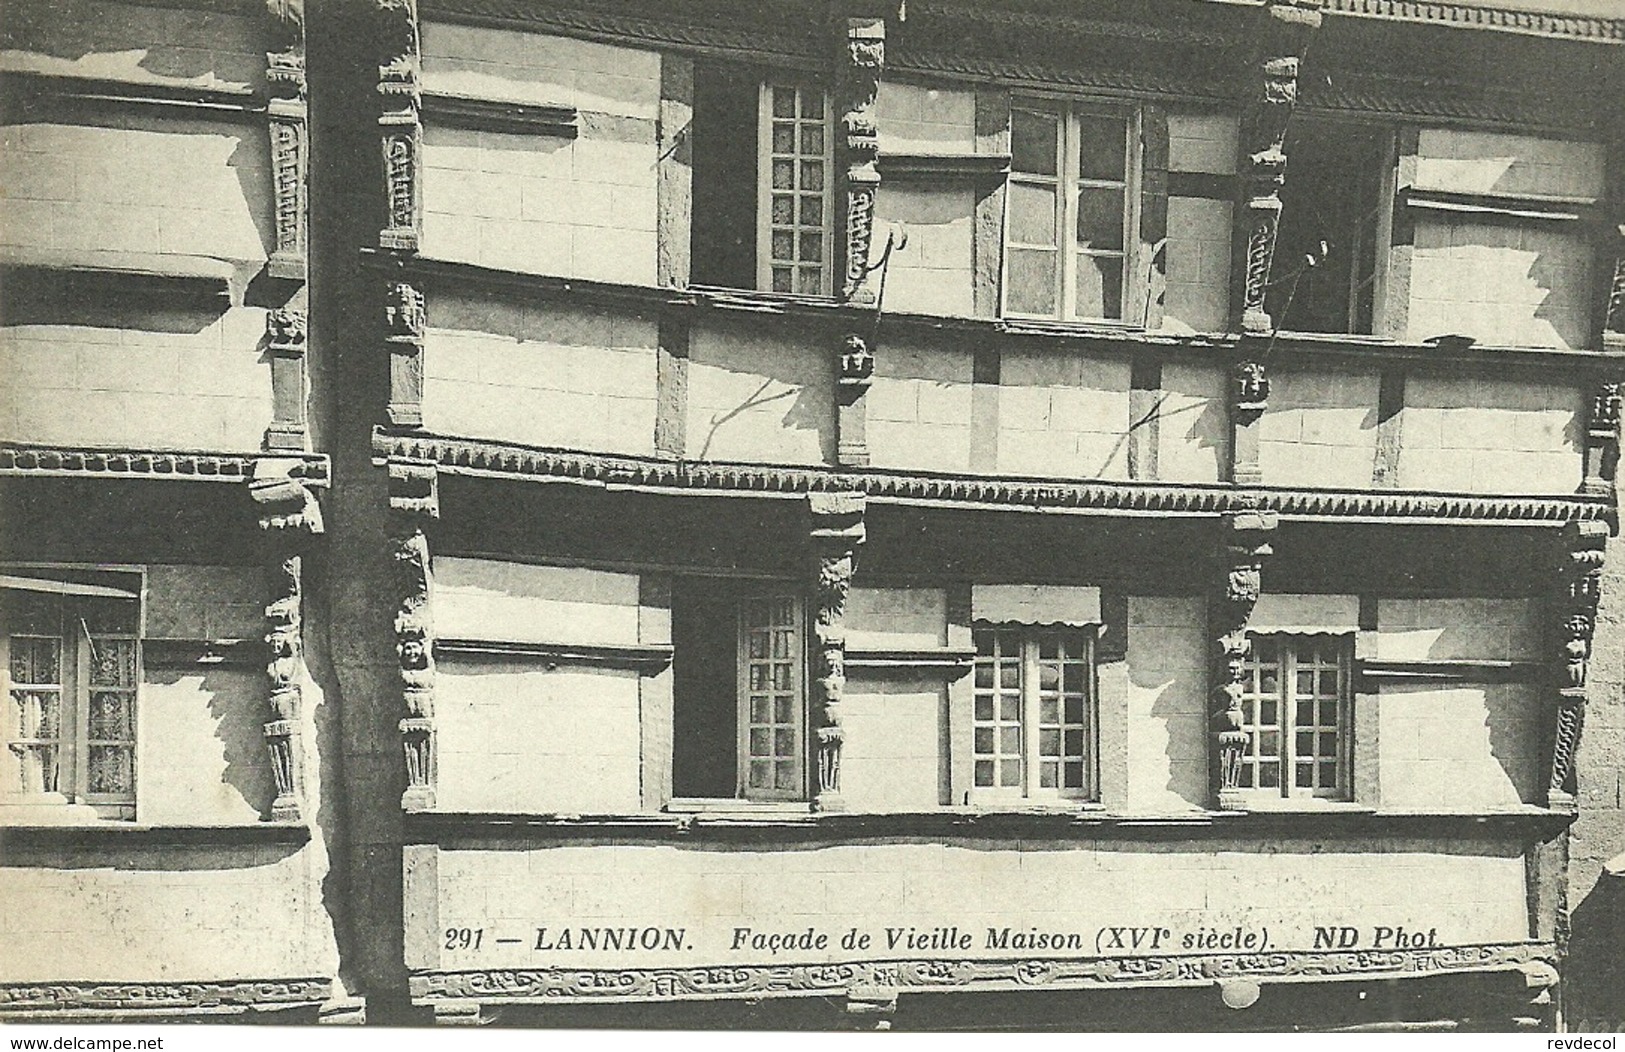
(1167, 721)
(200, 754)
(1063, 413)
(103, 40)
(934, 272)
(1193, 425)
(1501, 283)
(583, 206)
(166, 380)
(758, 396)
(1198, 252)
(1468, 747)
(518, 737)
(514, 65)
(917, 119)
(1458, 630)
(918, 409)
(896, 618)
(1483, 435)
(164, 915)
(543, 375)
(517, 602)
(893, 754)
(81, 191)
(1470, 891)
(205, 602)
(1498, 163)
(1320, 429)
(1202, 142)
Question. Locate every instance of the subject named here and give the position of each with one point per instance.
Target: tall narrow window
(772, 741)
(1033, 718)
(72, 666)
(1068, 213)
(794, 198)
(1296, 714)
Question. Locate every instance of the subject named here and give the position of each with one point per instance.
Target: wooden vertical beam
(961, 698)
(835, 532)
(399, 123)
(1395, 320)
(1144, 422)
(1390, 418)
(858, 154)
(987, 246)
(655, 697)
(1245, 545)
(286, 124)
(406, 321)
(285, 343)
(1579, 588)
(414, 503)
(1283, 34)
(984, 409)
(1249, 396)
(674, 174)
(1151, 288)
(1602, 437)
(671, 385)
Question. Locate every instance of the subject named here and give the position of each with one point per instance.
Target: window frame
(1286, 726)
(765, 156)
(1030, 793)
(797, 660)
(76, 688)
(1066, 183)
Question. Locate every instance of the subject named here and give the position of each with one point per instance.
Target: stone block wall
(1484, 435)
(764, 397)
(549, 375)
(541, 202)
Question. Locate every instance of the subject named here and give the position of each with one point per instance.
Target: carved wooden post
(1249, 396)
(414, 503)
(285, 113)
(864, 54)
(289, 515)
(1579, 589)
(400, 95)
(1602, 438)
(1283, 35)
(285, 342)
(1246, 544)
(836, 531)
(405, 320)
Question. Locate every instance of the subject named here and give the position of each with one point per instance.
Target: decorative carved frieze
(414, 504)
(1579, 588)
(865, 54)
(285, 113)
(1602, 438)
(29, 459)
(69, 998)
(405, 320)
(1283, 35)
(285, 341)
(479, 457)
(836, 531)
(400, 123)
(1246, 545)
(552, 985)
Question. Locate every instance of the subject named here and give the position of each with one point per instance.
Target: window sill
(31, 830)
(737, 808)
(1266, 804)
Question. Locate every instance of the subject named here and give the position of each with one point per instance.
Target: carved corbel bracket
(1283, 35)
(863, 58)
(1579, 589)
(836, 530)
(1246, 545)
(1602, 437)
(1249, 397)
(285, 340)
(414, 504)
(400, 123)
(405, 321)
(285, 113)
(289, 515)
